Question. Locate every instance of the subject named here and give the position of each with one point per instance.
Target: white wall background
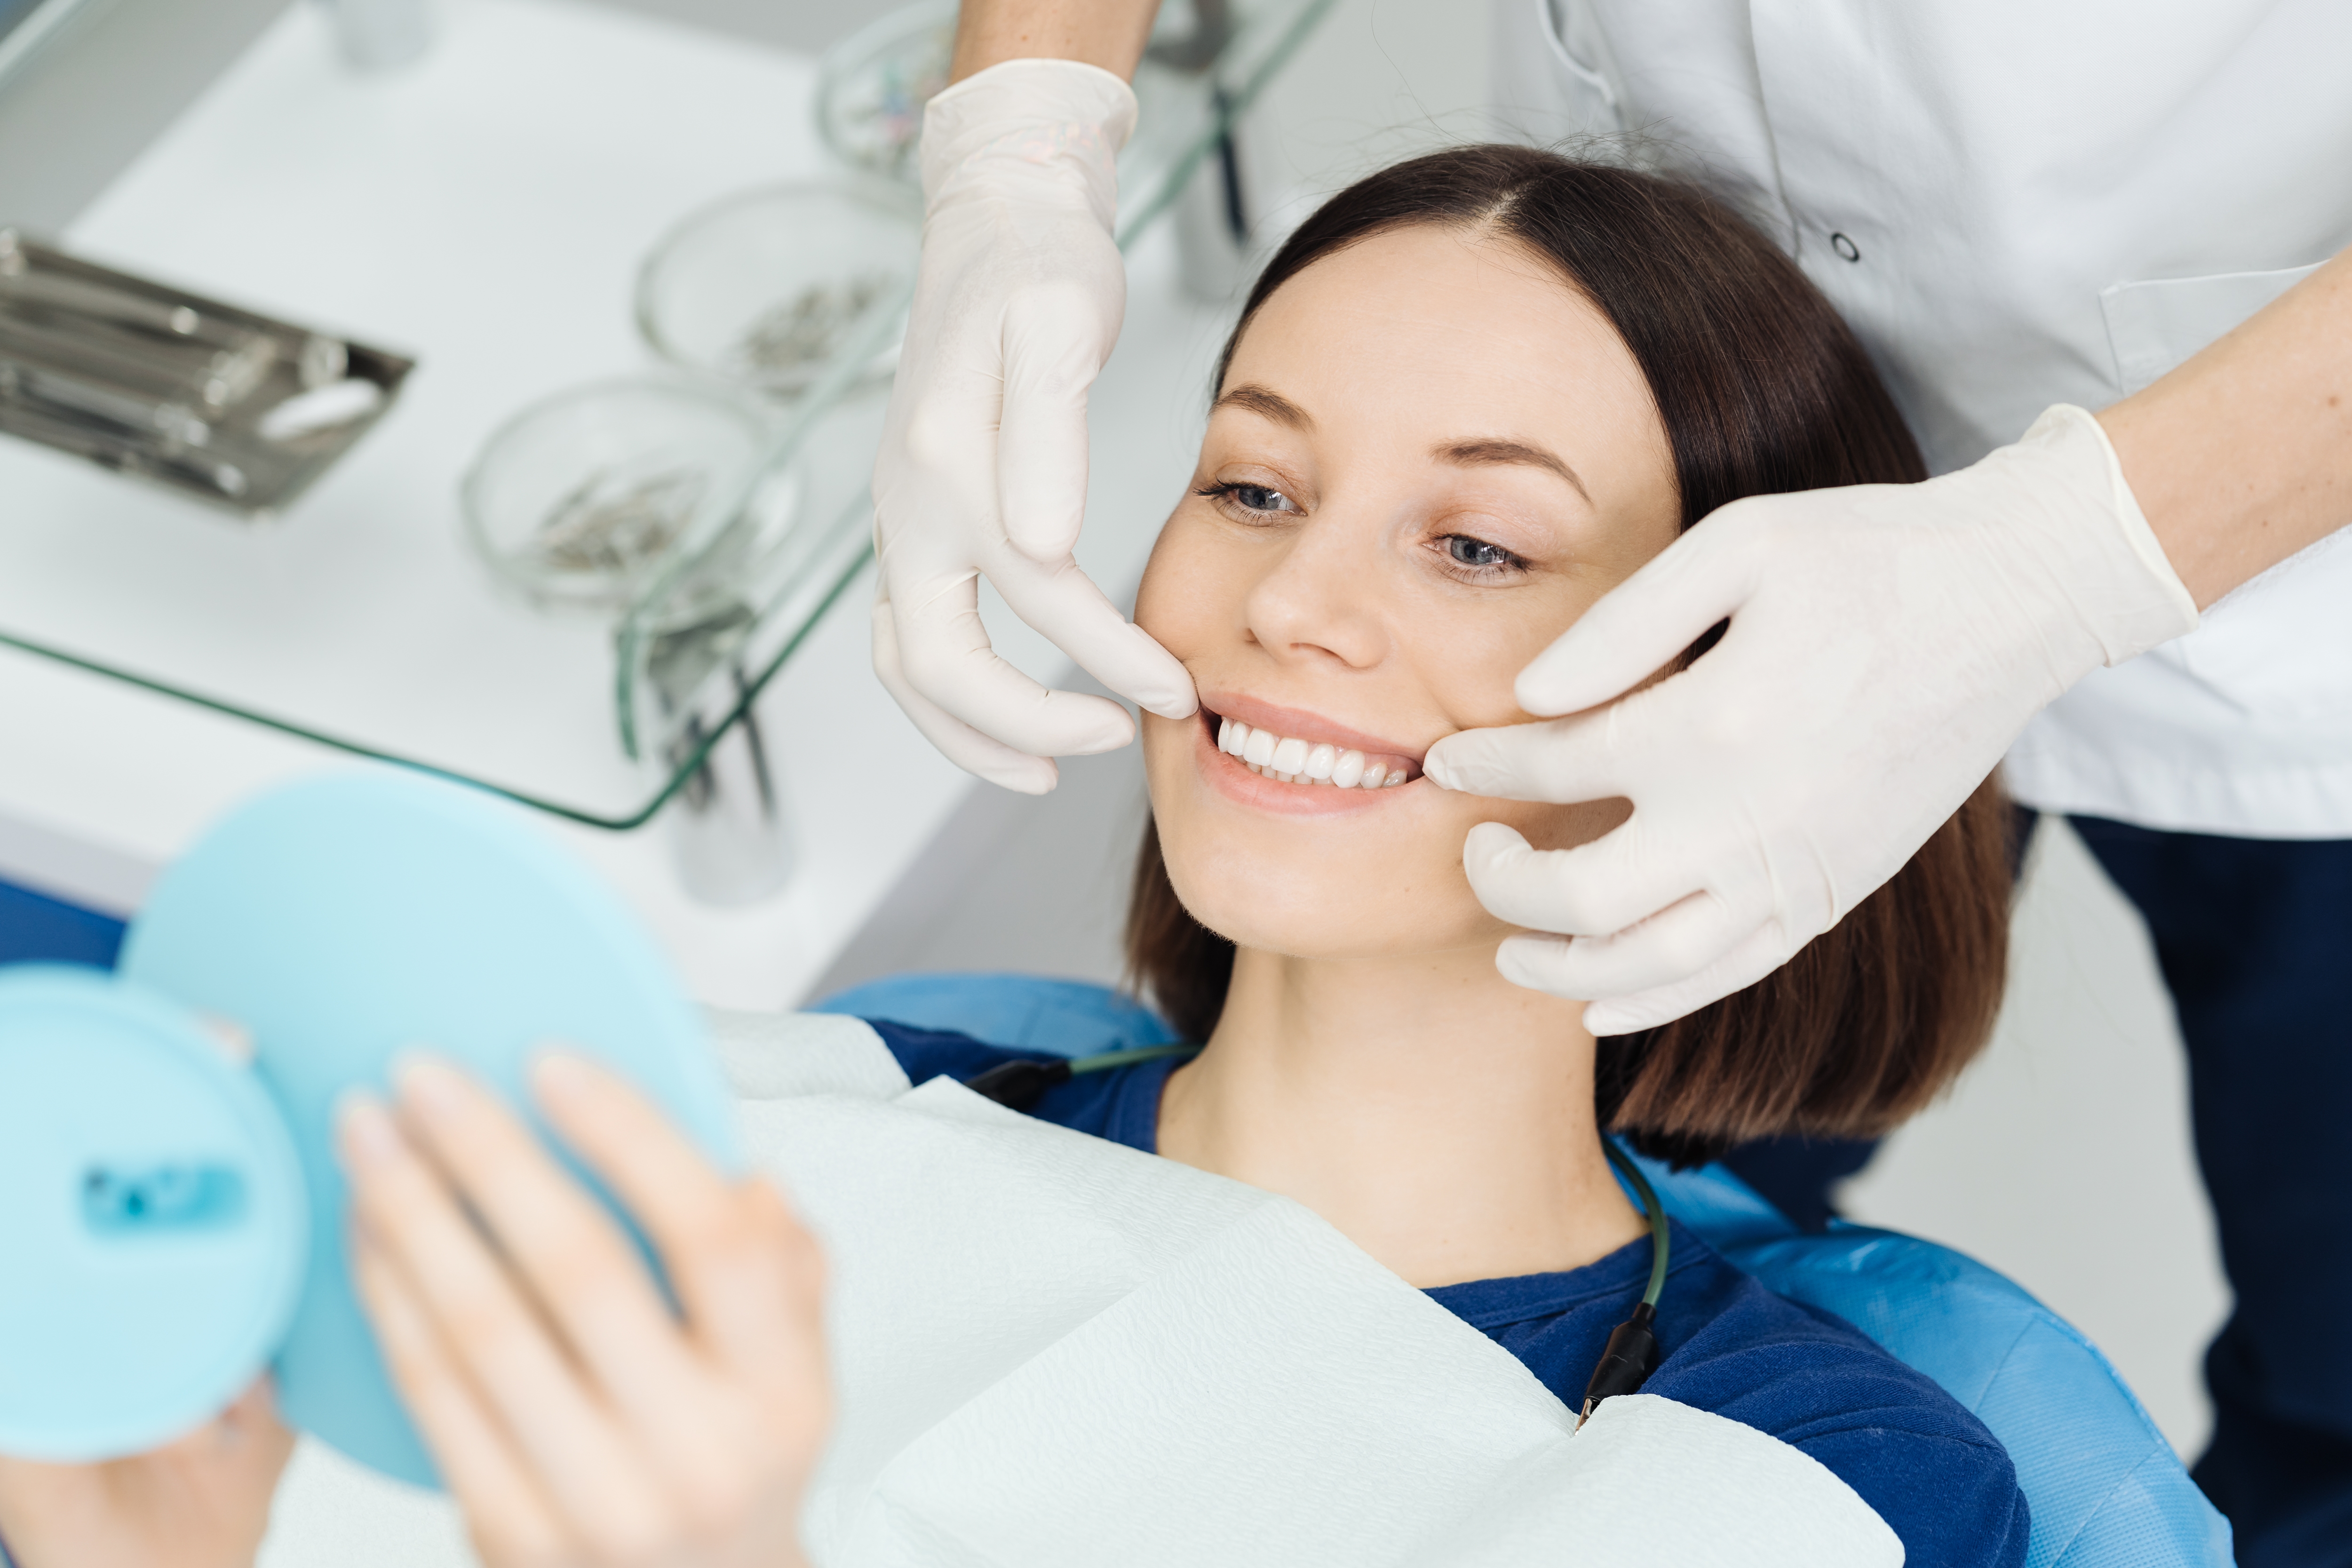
(2061, 1158)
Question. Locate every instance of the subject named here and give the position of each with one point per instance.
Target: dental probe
(1632, 1350)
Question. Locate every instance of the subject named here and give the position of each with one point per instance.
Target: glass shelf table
(485, 211)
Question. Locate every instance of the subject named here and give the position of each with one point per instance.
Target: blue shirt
(1941, 1481)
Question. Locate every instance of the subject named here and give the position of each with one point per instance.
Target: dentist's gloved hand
(1887, 645)
(983, 469)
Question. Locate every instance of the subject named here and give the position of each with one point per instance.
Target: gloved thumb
(1041, 444)
(1563, 760)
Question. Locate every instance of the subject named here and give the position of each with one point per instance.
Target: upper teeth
(1294, 760)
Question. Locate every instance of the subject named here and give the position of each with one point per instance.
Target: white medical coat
(2017, 203)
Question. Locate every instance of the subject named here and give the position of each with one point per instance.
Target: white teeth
(1294, 760)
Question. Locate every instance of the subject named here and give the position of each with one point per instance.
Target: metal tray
(237, 409)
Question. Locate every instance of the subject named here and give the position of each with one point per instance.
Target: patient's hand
(200, 1502)
(575, 1419)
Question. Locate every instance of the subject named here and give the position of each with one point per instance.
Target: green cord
(1109, 1060)
(1652, 1208)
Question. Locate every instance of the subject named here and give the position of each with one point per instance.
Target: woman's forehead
(1471, 308)
(1425, 332)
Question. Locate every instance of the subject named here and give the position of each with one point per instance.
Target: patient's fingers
(749, 1275)
(579, 1268)
(512, 1520)
(505, 1349)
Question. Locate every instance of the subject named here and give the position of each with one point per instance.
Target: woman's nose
(1320, 598)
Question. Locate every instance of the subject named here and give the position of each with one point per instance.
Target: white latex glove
(983, 469)
(1887, 642)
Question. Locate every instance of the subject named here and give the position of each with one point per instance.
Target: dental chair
(2103, 1486)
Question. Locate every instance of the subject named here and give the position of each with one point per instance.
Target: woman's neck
(1440, 1117)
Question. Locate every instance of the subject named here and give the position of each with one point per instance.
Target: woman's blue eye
(1469, 552)
(1249, 497)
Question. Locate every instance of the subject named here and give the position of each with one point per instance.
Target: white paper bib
(1051, 1349)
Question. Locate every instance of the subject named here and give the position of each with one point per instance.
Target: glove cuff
(1063, 121)
(2119, 576)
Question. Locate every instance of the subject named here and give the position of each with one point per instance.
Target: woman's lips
(1261, 785)
(1310, 730)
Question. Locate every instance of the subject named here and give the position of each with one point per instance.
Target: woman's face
(1430, 455)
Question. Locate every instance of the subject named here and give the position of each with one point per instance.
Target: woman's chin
(1327, 918)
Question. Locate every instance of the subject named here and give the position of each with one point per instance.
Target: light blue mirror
(151, 1218)
(332, 924)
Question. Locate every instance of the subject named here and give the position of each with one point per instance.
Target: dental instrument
(225, 405)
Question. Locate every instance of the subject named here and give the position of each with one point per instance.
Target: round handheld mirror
(343, 919)
(152, 1233)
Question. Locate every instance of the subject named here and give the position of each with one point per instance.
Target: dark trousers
(2254, 937)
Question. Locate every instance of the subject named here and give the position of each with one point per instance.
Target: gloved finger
(1642, 625)
(961, 744)
(1562, 761)
(1759, 954)
(1538, 962)
(1593, 890)
(1041, 442)
(1682, 940)
(943, 652)
(1063, 603)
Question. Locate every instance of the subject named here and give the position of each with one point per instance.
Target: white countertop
(545, 146)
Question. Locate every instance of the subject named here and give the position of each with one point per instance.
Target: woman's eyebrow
(1472, 453)
(1264, 400)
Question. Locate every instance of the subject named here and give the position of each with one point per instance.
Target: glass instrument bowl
(871, 88)
(762, 288)
(579, 500)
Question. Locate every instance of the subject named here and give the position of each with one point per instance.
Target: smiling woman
(1536, 372)
(1472, 394)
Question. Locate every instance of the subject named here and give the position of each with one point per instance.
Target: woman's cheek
(1182, 585)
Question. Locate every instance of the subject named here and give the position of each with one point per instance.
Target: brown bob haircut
(1762, 388)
